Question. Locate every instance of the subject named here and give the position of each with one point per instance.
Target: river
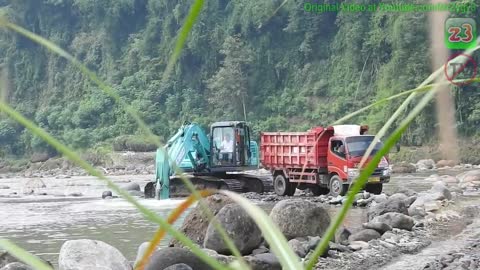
(42, 223)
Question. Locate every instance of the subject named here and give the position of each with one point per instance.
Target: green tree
(229, 87)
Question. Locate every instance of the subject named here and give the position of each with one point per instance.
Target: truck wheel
(374, 188)
(337, 187)
(282, 186)
(292, 189)
(317, 190)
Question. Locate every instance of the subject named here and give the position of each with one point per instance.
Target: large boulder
(397, 204)
(86, 254)
(403, 167)
(425, 164)
(396, 220)
(196, 223)
(364, 235)
(170, 256)
(239, 226)
(300, 218)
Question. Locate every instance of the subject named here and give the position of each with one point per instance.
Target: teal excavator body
(214, 161)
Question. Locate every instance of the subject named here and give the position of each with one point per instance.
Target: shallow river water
(41, 224)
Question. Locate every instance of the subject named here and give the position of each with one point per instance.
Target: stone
(16, 266)
(398, 196)
(425, 164)
(107, 193)
(341, 236)
(131, 186)
(299, 218)
(441, 191)
(179, 266)
(170, 256)
(403, 167)
(432, 206)
(364, 235)
(313, 242)
(380, 198)
(358, 245)
(264, 261)
(470, 176)
(298, 247)
(339, 247)
(380, 227)
(445, 163)
(141, 251)
(136, 193)
(34, 184)
(196, 223)
(39, 157)
(86, 254)
(260, 250)
(241, 228)
(448, 179)
(391, 205)
(396, 220)
(410, 200)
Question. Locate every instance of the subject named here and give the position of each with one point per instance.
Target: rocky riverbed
(51, 215)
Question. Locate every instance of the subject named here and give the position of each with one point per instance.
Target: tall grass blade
(277, 241)
(23, 255)
(70, 154)
(182, 36)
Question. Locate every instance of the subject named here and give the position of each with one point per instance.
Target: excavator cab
(230, 146)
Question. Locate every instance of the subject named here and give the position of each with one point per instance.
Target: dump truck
(323, 159)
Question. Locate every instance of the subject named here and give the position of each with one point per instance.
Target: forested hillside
(292, 69)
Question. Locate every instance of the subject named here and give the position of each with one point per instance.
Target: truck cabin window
(338, 148)
(358, 145)
(223, 141)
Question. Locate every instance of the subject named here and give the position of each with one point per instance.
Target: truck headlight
(353, 173)
(386, 172)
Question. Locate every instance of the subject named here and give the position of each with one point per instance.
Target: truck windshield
(358, 145)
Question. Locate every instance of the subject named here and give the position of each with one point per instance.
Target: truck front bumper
(374, 179)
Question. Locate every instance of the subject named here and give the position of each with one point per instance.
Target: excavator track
(238, 183)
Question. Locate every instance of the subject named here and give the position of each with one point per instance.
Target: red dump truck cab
(323, 159)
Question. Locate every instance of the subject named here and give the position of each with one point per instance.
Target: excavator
(220, 160)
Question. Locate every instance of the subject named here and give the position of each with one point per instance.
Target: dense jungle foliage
(292, 69)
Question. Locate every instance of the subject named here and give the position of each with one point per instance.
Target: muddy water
(42, 223)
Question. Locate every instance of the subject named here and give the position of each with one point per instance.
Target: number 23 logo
(454, 31)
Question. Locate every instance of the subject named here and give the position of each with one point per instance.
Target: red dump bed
(287, 150)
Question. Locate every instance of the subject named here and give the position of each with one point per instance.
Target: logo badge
(460, 33)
